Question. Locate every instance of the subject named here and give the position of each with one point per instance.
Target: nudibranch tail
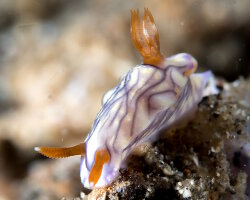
(145, 37)
(101, 157)
(53, 152)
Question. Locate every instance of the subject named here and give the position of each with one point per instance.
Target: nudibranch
(150, 97)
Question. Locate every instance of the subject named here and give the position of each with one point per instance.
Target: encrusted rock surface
(209, 158)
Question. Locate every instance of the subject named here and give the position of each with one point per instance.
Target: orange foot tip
(101, 157)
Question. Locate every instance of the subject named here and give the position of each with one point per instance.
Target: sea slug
(150, 97)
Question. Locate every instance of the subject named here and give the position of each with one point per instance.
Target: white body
(145, 101)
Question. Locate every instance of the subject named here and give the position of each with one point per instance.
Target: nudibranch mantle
(150, 97)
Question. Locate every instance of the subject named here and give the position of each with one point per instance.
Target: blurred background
(58, 57)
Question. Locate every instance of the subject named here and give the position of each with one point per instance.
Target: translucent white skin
(146, 100)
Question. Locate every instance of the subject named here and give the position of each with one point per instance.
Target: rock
(206, 159)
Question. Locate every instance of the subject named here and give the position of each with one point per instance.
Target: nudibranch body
(150, 97)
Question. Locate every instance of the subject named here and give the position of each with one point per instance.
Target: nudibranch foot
(53, 152)
(146, 38)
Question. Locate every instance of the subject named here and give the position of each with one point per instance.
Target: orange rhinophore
(146, 38)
